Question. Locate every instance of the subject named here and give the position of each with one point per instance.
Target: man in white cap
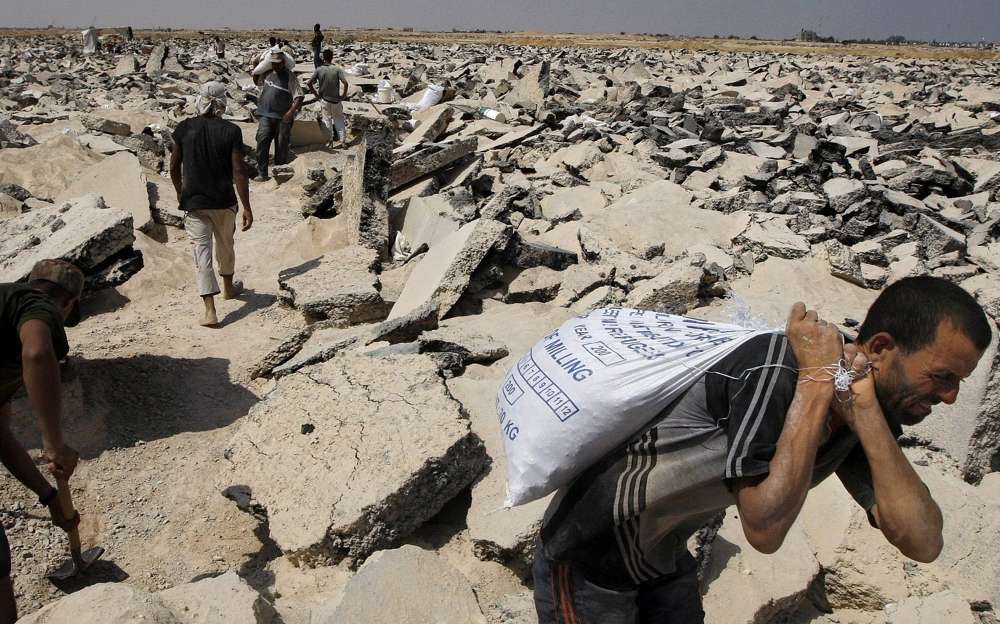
(206, 162)
(280, 100)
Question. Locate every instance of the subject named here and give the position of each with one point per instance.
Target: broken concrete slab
(383, 434)
(776, 283)
(84, 232)
(341, 286)
(471, 348)
(936, 238)
(106, 126)
(511, 138)
(841, 193)
(580, 280)
(11, 137)
(323, 340)
(530, 252)
(530, 91)
(659, 216)
(431, 124)
(534, 284)
(445, 271)
(766, 584)
(413, 586)
(46, 169)
(674, 291)
(428, 220)
(844, 263)
(772, 237)
(127, 64)
(578, 157)
(104, 603)
(120, 181)
(943, 606)
(428, 160)
(366, 192)
(224, 598)
(569, 204)
(101, 143)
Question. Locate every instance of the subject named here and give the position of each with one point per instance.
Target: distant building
(810, 36)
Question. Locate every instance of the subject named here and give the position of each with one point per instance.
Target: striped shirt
(626, 519)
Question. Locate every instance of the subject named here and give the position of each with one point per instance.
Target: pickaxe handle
(66, 502)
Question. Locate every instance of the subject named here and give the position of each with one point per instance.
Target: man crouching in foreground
(758, 430)
(33, 318)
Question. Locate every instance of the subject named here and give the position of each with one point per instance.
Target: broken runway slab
(388, 443)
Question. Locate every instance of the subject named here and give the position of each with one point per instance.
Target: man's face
(909, 385)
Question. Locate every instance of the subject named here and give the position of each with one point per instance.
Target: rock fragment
(388, 441)
(106, 126)
(341, 286)
(444, 273)
(84, 232)
(414, 586)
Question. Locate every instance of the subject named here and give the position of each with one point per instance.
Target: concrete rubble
(543, 184)
(384, 435)
(85, 231)
(342, 286)
(412, 586)
(225, 598)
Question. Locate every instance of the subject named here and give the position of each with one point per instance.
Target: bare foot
(231, 291)
(209, 320)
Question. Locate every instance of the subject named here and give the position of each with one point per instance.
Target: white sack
(595, 383)
(432, 95)
(265, 63)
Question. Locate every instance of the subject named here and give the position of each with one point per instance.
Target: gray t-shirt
(625, 520)
(328, 79)
(278, 90)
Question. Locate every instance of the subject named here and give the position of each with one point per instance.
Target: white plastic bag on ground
(358, 69)
(432, 95)
(593, 384)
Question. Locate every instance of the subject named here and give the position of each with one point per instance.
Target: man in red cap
(32, 341)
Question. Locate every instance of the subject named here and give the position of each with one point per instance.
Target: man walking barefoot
(206, 162)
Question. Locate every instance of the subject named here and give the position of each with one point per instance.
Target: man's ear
(880, 346)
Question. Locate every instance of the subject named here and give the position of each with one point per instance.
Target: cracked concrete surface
(351, 455)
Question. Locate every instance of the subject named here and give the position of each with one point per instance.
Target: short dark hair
(52, 290)
(911, 310)
(328, 55)
(315, 26)
(273, 41)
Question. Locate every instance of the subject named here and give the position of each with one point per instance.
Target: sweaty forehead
(951, 352)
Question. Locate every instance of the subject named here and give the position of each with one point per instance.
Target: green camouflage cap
(64, 274)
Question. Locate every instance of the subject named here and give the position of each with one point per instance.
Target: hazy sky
(952, 20)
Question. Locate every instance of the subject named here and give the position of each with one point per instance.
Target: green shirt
(329, 78)
(18, 305)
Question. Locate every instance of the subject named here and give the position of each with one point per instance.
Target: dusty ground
(161, 394)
